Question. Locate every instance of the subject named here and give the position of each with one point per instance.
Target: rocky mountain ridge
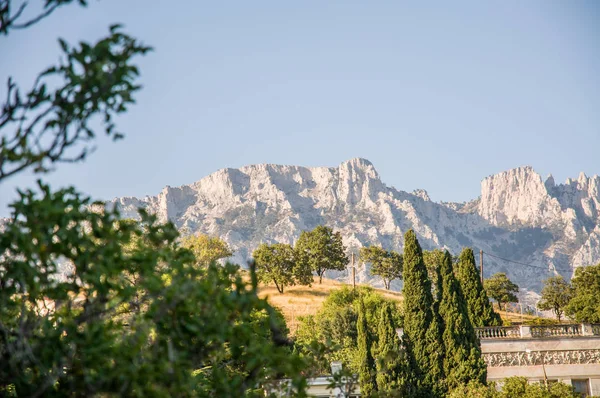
(518, 217)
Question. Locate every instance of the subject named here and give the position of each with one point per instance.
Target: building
(546, 354)
(566, 353)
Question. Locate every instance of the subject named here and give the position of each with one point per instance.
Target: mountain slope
(518, 216)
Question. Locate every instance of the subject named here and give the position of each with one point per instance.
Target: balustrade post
(586, 329)
(525, 331)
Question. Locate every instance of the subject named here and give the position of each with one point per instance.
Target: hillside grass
(515, 318)
(297, 301)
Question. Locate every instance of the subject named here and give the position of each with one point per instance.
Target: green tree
(480, 309)
(555, 295)
(389, 357)
(462, 360)
(421, 331)
(384, 263)
(277, 263)
(366, 372)
(501, 289)
(584, 306)
(433, 260)
(335, 326)
(52, 121)
(321, 249)
(519, 387)
(67, 323)
(76, 333)
(206, 249)
(514, 387)
(474, 389)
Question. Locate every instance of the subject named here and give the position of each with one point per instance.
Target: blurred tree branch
(11, 15)
(48, 125)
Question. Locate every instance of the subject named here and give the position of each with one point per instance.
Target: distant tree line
(322, 249)
(577, 299)
(315, 251)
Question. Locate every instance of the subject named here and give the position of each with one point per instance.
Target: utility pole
(521, 304)
(353, 274)
(481, 264)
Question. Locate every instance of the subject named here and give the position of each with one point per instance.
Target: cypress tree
(366, 372)
(389, 356)
(421, 328)
(462, 359)
(481, 312)
(433, 260)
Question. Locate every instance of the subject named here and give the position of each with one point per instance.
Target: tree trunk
(320, 273)
(499, 306)
(558, 313)
(279, 289)
(386, 284)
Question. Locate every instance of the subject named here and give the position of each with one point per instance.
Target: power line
(529, 265)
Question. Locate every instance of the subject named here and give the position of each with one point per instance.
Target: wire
(529, 265)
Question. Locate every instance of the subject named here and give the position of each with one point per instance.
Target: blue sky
(438, 95)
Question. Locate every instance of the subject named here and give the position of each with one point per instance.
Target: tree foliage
(366, 363)
(584, 305)
(384, 263)
(12, 17)
(433, 260)
(514, 387)
(51, 122)
(196, 332)
(335, 326)
(392, 373)
(207, 249)
(421, 331)
(480, 309)
(555, 296)
(321, 249)
(92, 305)
(501, 289)
(462, 359)
(277, 263)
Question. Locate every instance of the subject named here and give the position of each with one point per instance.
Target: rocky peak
(421, 193)
(516, 196)
(581, 195)
(358, 182)
(550, 184)
(358, 168)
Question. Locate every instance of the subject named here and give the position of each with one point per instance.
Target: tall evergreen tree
(462, 359)
(390, 361)
(480, 309)
(433, 260)
(366, 372)
(421, 329)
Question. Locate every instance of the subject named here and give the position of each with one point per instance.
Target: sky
(437, 95)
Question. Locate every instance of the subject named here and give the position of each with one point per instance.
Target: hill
(299, 301)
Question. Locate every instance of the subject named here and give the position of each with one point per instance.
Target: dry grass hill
(298, 301)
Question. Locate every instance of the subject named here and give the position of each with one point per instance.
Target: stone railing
(557, 331)
(498, 332)
(525, 331)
